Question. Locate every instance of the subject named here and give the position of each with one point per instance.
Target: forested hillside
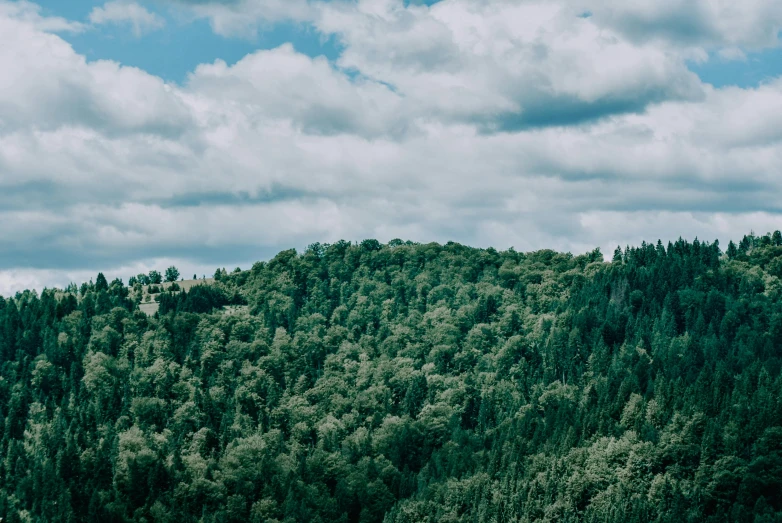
(406, 383)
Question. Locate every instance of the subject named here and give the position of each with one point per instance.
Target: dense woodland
(406, 383)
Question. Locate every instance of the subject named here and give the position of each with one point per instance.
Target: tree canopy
(405, 383)
(172, 274)
(155, 277)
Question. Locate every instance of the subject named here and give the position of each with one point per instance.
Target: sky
(215, 133)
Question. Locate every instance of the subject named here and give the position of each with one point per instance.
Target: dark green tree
(172, 274)
(101, 284)
(732, 251)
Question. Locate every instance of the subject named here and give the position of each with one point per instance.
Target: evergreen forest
(405, 383)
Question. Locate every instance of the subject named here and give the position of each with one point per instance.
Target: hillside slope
(406, 383)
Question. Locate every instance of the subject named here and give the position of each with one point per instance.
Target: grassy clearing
(149, 306)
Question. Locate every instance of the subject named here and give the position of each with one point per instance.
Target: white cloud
(45, 85)
(30, 14)
(285, 85)
(508, 64)
(126, 12)
(753, 24)
(513, 123)
(732, 53)
(686, 27)
(243, 18)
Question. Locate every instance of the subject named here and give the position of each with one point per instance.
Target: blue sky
(757, 67)
(135, 135)
(184, 43)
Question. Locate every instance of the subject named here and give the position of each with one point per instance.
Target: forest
(405, 383)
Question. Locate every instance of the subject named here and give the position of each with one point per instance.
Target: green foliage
(100, 283)
(172, 274)
(200, 299)
(405, 383)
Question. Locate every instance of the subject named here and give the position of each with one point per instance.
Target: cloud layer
(125, 12)
(532, 124)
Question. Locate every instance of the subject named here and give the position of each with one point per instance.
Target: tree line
(154, 277)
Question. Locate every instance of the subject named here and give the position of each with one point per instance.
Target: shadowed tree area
(405, 383)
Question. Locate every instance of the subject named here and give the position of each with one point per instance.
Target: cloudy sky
(206, 133)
